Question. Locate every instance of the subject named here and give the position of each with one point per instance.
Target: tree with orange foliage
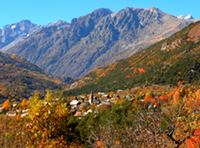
(99, 144)
(176, 97)
(141, 70)
(24, 103)
(6, 104)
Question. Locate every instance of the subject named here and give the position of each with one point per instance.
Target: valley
(129, 78)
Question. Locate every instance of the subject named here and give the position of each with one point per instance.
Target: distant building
(105, 102)
(24, 111)
(85, 113)
(119, 90)
(11, 113)
(101, 93)
(74, 103)
(24, 114)
(106, 96)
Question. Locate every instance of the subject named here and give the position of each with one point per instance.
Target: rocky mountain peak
(57, 23)
(13, 33)
(96, 14)
(74, 20)
(25, 22)
(154, 9)
(102, 11)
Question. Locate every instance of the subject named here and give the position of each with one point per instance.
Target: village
(80, 105)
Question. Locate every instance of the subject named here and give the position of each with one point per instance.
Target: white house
(119, 90)
(101, 93)
(74, 103)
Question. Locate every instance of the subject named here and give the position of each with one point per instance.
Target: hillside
(19, 78)
(74, 49)
(166, 62)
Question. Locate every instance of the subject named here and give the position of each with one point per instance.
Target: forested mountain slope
(166, 62)
(19, 78)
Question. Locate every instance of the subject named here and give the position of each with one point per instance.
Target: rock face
(76, 48)
(164, 46)
(172, 46)
(12, 34)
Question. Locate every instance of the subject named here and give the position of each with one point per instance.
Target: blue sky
(43, 12)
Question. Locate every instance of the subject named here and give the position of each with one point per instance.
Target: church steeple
(91, 98)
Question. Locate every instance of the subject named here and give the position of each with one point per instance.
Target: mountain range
(97, 39)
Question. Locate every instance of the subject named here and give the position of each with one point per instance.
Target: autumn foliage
(167, 120)
(6, 104)
(141, 70)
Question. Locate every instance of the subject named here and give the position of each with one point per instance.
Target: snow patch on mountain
(189, 17)
(183, 17)
(12, 27)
